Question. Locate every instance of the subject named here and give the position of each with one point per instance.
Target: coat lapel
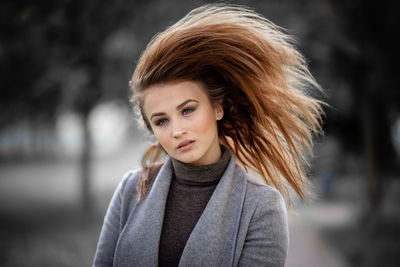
(212, 241)
(145, 223)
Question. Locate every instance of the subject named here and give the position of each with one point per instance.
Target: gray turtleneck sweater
(189, 193)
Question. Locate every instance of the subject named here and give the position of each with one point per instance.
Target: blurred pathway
(307, 249)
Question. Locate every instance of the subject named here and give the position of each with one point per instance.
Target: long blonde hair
(252, 67)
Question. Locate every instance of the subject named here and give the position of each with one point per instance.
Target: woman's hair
(251, 67)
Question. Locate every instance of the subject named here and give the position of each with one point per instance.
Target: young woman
(222, 87)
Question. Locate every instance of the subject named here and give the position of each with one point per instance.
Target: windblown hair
(252, 67)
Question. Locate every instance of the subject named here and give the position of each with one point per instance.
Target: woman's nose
(177, 130)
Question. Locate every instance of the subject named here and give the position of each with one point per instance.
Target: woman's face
(184, 121)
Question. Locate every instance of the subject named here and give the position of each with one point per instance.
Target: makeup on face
(183, 121)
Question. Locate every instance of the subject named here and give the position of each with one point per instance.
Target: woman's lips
(185, 145)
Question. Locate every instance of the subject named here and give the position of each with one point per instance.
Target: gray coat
(243, 224)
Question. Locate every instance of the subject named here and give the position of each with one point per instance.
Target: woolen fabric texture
(243, 224)
(190, 190)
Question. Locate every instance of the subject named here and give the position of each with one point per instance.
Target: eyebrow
(177, 108)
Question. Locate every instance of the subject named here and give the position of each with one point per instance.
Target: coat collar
(212, 240)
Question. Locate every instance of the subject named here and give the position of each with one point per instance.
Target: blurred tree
(87, 26)
(42, 45)
(24, 60)
(367, 60)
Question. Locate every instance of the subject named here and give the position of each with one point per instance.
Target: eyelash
(187, 109)
(163, 122)
(160, 122)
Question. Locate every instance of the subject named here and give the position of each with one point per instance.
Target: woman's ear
(219, 112)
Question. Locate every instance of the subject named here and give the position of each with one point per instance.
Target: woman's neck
(211, 173)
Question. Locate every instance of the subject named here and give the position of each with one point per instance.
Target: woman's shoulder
(129, 181)
(131, 176)
(259, 192)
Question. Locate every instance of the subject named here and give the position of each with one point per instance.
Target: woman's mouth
(185, 145)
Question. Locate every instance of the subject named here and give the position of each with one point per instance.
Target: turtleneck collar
(204, 174)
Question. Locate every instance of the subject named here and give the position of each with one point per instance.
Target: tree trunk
(367, 124)
(85, 165)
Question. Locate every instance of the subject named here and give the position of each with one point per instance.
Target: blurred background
(67, 132)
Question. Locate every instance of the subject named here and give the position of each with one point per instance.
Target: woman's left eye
(187, 111)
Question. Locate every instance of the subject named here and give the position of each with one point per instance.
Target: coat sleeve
(111, 228)
(267, 239)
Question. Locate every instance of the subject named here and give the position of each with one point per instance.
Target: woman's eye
(187, 111)
(161, 122)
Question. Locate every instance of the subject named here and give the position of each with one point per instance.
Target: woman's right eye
(161, 122)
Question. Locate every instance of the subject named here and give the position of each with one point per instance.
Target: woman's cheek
(161, 137)
(207, 124)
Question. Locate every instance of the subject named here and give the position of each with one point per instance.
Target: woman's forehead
(171, 94)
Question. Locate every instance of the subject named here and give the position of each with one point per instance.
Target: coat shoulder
(130, 179)
(263, 237)
(264, 195)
